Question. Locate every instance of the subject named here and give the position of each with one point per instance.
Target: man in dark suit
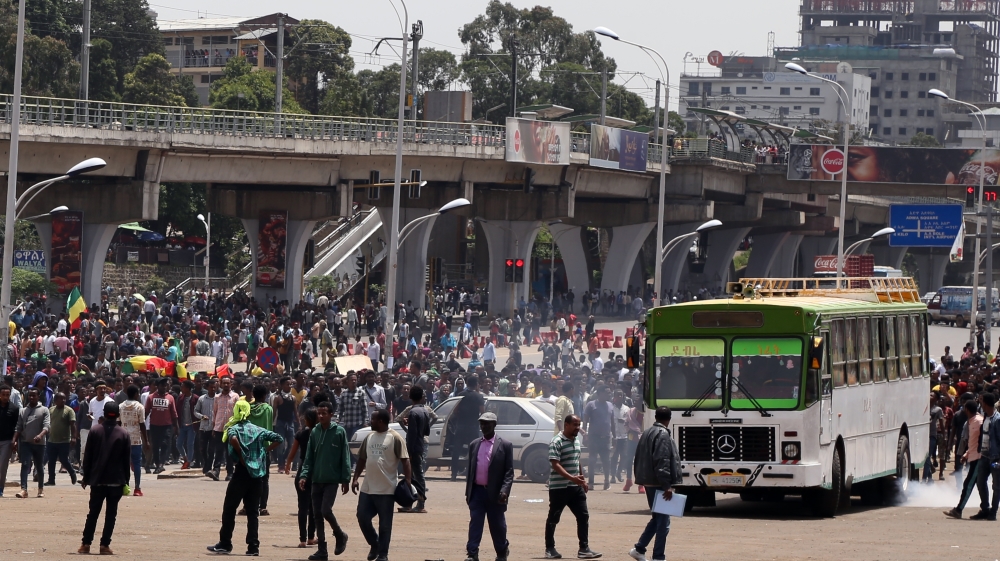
(487, 487)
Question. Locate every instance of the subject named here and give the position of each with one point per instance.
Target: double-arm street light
(208, 244)
(845, 99)
(880, 233)
(981, 121)
(674, 242)
(665, 78)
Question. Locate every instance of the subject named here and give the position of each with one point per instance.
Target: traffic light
(374, 178)
(529, 180)
(361, 264)
(415, 180)
(519, 270)
(970, 197)
(508, 270)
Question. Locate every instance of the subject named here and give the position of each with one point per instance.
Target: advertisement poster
(67, 251)
(892, 164)
(30, 260)
(618, 149)
(271, 234)
(538, 142)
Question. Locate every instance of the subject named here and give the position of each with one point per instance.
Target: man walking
(222, 411)
(386, 451)
(29, 441)
(599, 426)
(973, 429)
(245, 442)
(105, 469)
(657, 467)
(491, 475)
(327, 465)
(162, 413)
(418, 427)
(9, 413)
(463, 422)
(203, 412)
(133, 417)
(567, 488)
(62, 435)
(989, 449)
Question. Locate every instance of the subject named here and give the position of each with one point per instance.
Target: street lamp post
(665, 78)
(880, 233)
(846, 101)
(208, 244)
(981, 121)
(674, 242)
(15, 206)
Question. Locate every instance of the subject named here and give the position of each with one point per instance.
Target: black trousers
(220, 453)
(323, 497)
(600, 448)
(242, 489)
(307, 524)
(100, 494)
(204, 450)
(59, 451)
(576, 500)
(160, 439)
(460, 446)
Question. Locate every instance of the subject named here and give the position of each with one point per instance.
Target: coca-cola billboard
(825, 264)
(854, 265)
(893, 164)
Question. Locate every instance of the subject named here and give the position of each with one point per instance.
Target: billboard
(271, 241)
(537, 142)
(925, 225)
(618, 149)
(892, 164)
(30, 260)
(67, 250)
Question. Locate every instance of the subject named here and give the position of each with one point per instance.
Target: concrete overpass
(316, 168)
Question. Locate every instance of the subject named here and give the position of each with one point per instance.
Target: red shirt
(161, 409)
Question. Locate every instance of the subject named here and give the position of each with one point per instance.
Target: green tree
(49, 68)
(245, 88)
(185, 88)
(320, 51)
(343, 95)
(676, 122)
(924, 140)
(128, 25)
(103, 76)
(437, 69)
(150, 82)
(381, 90)
(24, 283)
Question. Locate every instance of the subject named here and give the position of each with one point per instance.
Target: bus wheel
(895, 488)
(826, 501)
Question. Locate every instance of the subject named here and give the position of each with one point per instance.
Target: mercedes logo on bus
(726, 444)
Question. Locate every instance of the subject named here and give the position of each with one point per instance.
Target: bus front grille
(726, 443)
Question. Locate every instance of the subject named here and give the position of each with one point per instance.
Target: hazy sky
(673, 28)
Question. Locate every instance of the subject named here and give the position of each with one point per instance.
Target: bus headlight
(791, 451)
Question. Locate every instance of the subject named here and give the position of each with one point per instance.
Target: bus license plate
(726, 480)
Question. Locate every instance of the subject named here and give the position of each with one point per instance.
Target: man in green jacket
(262, 415)
(327, 464)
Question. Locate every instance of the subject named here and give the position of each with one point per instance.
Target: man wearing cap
(105, 469)
(491, 475)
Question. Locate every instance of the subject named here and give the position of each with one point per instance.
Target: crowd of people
(75, 385)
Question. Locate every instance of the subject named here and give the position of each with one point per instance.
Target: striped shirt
(567, 452)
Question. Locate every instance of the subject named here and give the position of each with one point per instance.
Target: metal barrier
(131, 117)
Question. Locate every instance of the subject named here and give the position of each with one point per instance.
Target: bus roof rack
(869, 289)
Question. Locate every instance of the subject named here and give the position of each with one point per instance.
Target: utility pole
(656, 115)
(604, 92)
(416, 36)
(279, 65)
(85, 54)
(513, 76)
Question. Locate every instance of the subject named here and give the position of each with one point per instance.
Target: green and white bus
(802, 387)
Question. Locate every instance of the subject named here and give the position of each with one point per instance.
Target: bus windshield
(768, 370)
(687, 369)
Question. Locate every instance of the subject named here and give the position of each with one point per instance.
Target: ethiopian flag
(74, 307)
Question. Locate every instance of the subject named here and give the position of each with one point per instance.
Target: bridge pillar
(784, 261)
(722, 245)
(626, 241)
(411, 261)
(888, 256)
(95, 244)
(297, 234)
(765, 249)
(931, 266)
(810, 247)
(514, 239)
(574, 260)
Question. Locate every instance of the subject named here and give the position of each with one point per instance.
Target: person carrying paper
(657, 467)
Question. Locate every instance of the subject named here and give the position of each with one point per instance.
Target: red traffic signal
(510, 262)
(519, 270)
(519, 263)
(508, 270)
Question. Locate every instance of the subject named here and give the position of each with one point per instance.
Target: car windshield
(545, 407)
(687, 370)
(768, 370)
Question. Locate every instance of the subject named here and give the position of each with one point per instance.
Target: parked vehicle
(526, 423)
(953, 305)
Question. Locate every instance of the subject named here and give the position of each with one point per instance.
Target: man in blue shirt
(989, 447)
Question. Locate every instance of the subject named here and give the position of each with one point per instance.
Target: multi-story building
(760, 88)
(907, 47)
(202, 47)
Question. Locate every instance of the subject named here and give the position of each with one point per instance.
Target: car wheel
(536, 464)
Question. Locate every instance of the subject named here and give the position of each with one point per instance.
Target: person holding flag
(75, 308)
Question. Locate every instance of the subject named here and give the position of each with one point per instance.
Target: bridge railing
(199, 120)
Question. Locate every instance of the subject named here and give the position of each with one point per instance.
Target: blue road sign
(924, 225)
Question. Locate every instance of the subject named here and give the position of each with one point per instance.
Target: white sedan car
(526, 423)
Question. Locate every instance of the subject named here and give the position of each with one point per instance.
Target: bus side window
(903, 322)
(878, 348)
(924, 319)
(916, 348)
(891, 362)
(850, 342)
(814, 367)
(864, 350)
(837, 352)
